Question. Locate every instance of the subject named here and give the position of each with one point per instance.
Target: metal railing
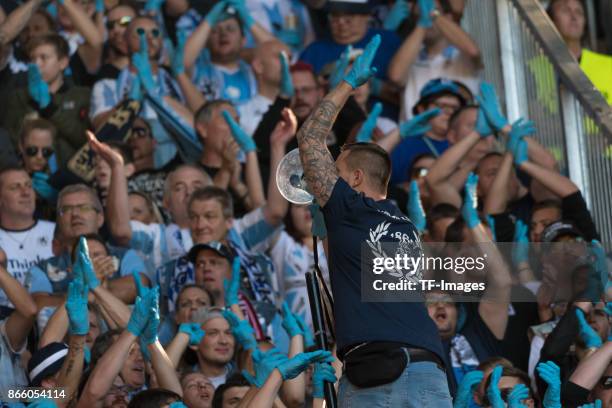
(537, 78)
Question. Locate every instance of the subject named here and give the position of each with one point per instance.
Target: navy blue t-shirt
(403, 155)
(351, 218)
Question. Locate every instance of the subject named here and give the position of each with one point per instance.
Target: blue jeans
(421, 385)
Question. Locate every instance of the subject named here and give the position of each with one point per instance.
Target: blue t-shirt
(351, 218)
(322, 52)
(403, 155)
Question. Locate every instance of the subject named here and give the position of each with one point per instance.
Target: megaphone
(290, 179)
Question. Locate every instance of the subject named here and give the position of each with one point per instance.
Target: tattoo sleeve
(319, 167)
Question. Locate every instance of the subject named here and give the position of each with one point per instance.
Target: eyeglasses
(154, 31)
(79, 208)
(123, 22)
(139, 132)
(32, 151)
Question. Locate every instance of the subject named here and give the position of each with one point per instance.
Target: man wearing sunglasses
(36, 145)
(117, 22)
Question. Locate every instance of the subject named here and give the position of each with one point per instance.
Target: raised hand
(323, 372)
(216, 13)
(263, 364)
(293, 367)
(520, 129)
(285, 129)
(491, 222)
(141, 289)
(520, 250)
(242, 330)
(37, 88)
(482, 125)
(76, 307)
(40, 183)
(290, 36)
(318, 228)
(149, 334)
(517, 395)
(416, 213)
(194, 331)
(286, 85)
(100, 6)
(243, 12)
(466, 388)
(426, 7)
(362, 69)
(596, 404)
(83, 267)
(589, 336)
(246, 142)
(367, 128)
(550, 373)
(290, 323)
(490, 105)
(153, 6)
(470, 203)
(398, 13)
(140, 316)
(419, 124)
(493, 392)
(178, 63)
(140, 61)
(232, 286)
(340, 67)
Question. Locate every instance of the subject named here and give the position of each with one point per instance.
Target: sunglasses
(32, 151)
(154, 32)
(123, 22)
(139, 132)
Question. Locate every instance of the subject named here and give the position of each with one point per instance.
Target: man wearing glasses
(118, 20)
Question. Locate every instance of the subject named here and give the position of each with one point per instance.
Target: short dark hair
(236, 380)
(204, 114)
(214, 193)
(415, 160)
(8, 168)
(373, 160)
(154, 398)
(453, 118)
(34, 124)
(55, 40)
(103, 343)
(485, 157)
(550, 203)
(440, 211)
(195, 285)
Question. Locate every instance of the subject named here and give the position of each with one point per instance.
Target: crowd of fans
(149, 260)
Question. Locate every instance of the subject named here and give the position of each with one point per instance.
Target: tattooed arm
(319, 167)
(72, 369)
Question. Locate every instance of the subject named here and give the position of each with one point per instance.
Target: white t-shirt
(450, 63)
(25, 249)
(252, 112)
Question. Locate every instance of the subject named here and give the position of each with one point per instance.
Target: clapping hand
(362, 69)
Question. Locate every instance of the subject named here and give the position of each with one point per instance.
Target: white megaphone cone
(290, 179)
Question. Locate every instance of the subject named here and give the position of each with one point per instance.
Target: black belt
(417, 355)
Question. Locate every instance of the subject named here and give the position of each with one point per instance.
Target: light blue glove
(140, 316)
(362, 69)
(216, 13)
(520, 129)
(323, 372)
(491, 222)
(470, 203)
(37, 88)
(465, 392)
(178, 63)
(87, 354)
(398, 13)
(419, 124)
(416, 213)
(76, 307)
(587, 334)
(194, 331)
(293, 367)
(43, 403)
(318, 227)
(100, 6)
(232, 286)
(263, 364)
(242, 330)
(601, 262)
(149, 334)
(290, 323)
(141, 289)
(243, 12)
(140, 60)
(153, 6)
(340, 67)
(520, 153)
(289, 36)
(490, 105)
(426, 7)
(286, 85)
(246, 142)
(596, 404)
(493, 393)
(520, 250)
(367, 128)
(135, 92)
(83, 266)
(40, 183)
(309, 340)
(177, 404)
(550, 373)
(517, 395)
(482, 126)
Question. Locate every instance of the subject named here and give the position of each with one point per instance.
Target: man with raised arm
(352, 194)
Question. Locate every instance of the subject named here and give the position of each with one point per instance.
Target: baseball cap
(349, 6)
(215, 246)
(46, 362)
(439, 87)
(559, 229)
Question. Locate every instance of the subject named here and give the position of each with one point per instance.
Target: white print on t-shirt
(409, 246)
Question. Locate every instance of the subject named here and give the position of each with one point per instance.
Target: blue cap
(439, 87)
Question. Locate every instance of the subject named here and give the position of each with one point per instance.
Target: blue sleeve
(131, 262)
(39, 281)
